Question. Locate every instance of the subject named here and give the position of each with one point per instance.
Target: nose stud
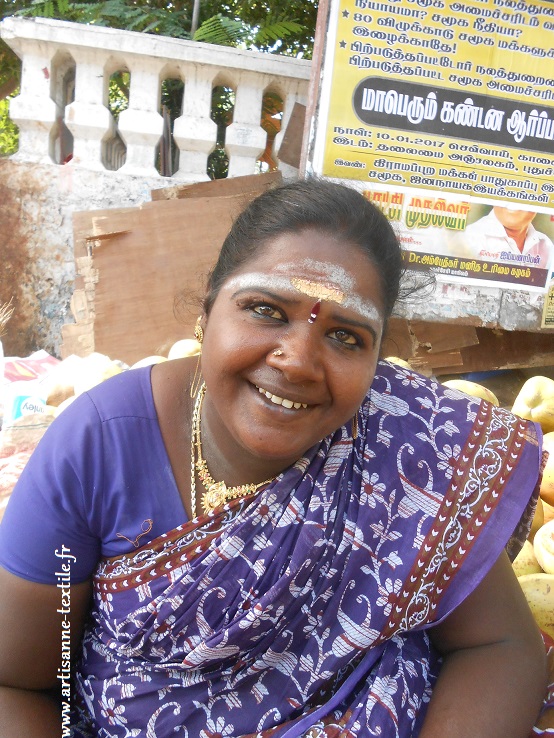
(277, 352)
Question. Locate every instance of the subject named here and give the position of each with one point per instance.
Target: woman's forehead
(312, 251)
(315, 263)
(294, 279)
(313, 277)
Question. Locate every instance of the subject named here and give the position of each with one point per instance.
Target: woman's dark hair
(313, 203)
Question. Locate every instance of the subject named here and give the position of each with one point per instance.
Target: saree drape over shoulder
(304, 610)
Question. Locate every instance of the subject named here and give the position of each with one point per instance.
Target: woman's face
(279, 379)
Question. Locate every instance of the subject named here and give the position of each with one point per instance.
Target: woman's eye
(345, 337)
(268, 311)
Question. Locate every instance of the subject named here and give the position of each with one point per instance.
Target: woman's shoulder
(128, 393)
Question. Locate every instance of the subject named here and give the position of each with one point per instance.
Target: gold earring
(198, 332)
(199, 335)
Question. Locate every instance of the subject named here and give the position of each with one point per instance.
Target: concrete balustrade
(34, 110)
(194, 131)
(44, 108)
(87, 117)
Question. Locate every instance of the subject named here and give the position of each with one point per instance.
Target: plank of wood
(78, 339)
(398, 340)
(425, 359)
(134, 263)
(441, 337)
(498, 349)
(248, 183)
(290, 149)
(168, 252)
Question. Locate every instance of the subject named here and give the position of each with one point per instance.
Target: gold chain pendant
(215, 496)
(217, 493)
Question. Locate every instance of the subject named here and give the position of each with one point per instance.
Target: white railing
(62, 109)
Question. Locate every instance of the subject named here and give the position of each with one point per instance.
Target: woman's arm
(493, 677)
(34, 636)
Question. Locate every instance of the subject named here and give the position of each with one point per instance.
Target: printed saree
(304, 610)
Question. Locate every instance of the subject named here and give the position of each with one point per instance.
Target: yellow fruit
(473, 389)
(538, 519)
(535, 401)
(399, 361)
(59, 383)
(547, 484)
(148, 361)
(93, 370)
(526, 561)
(184, 347)
(543, 546)
(548, 512)
(539, 592)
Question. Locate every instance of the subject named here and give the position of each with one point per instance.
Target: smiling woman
(292, 538)
(266, 305)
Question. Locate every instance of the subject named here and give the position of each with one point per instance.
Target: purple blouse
(99, 483)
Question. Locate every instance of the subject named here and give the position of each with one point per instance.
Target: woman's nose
(298, 355)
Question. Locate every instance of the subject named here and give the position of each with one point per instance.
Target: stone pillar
(87, 117)
(33, 109)
(141, 125)
(194, 132)
(245, 139)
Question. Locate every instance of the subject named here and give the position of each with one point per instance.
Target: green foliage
(223, 103)
(118, 93)
(9, 64)
(275, 30)
(228, 32)
(300, 16)
(222, 31)
(126, 14)
(9, 133)
(286, 26)
(218, 163)
(46, 8)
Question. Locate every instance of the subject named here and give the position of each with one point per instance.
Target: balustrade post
(87, 117)
(194, 132)
(245, 139)
(141, 125)
(34, 110)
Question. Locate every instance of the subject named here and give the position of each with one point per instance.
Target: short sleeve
(47, 520)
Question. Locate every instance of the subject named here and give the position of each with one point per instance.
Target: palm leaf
(222, 31)
(275, 31)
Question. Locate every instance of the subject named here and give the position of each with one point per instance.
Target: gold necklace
(217, 493)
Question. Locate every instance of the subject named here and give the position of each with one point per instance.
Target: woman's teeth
(281, 400)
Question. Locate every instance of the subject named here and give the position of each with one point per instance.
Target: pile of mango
(534, 566)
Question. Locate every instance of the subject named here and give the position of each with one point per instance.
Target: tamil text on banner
(442, 113)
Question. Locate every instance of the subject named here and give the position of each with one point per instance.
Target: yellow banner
(446, 109)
